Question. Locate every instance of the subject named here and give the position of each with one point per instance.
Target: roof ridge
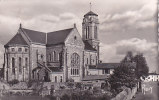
(33, 30)
(60, 30)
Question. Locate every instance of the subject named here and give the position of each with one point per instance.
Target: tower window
(95, 32)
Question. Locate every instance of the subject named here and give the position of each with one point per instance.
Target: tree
(123, 76)
(128, 58)
(141, 66)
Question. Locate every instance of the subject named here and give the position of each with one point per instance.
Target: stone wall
(34, 50)
(126, 94)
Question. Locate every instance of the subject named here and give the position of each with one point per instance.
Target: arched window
(50, 57)
(54, 56)
(26, 63)
(58, 57)
(13, 65)
(20, 64)
(75, 64)
(95, 32)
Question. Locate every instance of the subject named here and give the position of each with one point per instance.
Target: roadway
(154, 95)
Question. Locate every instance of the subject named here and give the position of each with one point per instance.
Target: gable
(74, 38)
(17, 40)
(58, 37)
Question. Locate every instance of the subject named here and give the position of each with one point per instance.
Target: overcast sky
(124, 24)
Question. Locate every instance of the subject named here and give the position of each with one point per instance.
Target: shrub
(30, 83)
(70, 85)
(65, 97)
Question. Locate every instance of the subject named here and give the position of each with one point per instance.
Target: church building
(57, 56)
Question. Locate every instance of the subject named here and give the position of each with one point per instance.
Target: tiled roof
(35, 36)
(55, 69)
(95, 77)
(90, 13)
(88, 46)
(108, 65)
(17, 40)
(58, 37)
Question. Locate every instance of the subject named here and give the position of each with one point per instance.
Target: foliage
(79, 85)
(15, 81)
(30, 83)
(70, 80)
(65, 97)
(141, 66)
(123, 76)
(70, 84)
(51, 97)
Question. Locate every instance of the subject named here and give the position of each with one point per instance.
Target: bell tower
(90, 29)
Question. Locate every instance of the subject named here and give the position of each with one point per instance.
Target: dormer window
(19, 49)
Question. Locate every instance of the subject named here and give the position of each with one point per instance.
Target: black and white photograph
(79, 49)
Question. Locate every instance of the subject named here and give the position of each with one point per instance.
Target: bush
(15, 81)
(30, 83)
(70, 80)
(51, 97)
(70, 85)
(65, 97)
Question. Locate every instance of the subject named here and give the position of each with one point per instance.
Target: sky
(125, 25)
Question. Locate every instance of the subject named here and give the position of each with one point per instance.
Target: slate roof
(35, 36)
(95, 77)
(88, 46)
(107, 65)
(17, 39)
(90, 13)
(58, 37)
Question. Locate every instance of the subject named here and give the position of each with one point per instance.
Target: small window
(60, 78)
(12, 49)
(19, 49)
(26, 49)
(55, 78)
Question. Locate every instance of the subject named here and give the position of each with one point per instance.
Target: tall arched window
(75, 64)
(54, 56)
(26, 63)
(95, 32)
(13, 65)
(20, 64)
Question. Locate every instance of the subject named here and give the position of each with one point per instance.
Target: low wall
(126, 94)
